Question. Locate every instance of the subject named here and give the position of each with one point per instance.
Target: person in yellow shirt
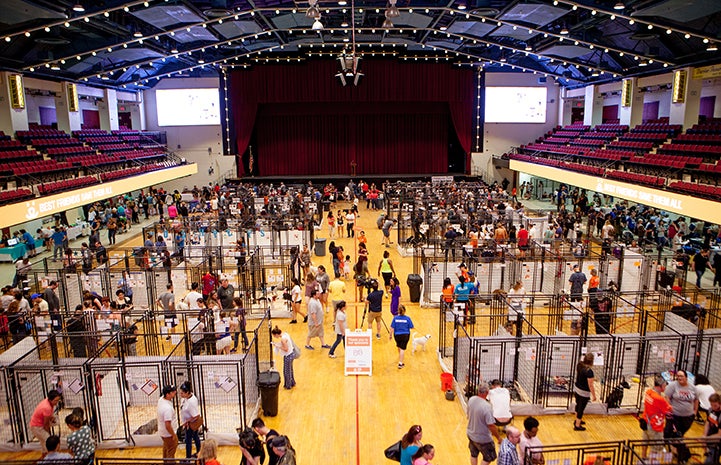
(336, 293)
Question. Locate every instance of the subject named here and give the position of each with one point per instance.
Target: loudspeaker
(542, 80)
(17, 92)
(72, 91)
(626, 92)
(679, 86)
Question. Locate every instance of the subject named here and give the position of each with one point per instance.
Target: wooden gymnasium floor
(331, 418)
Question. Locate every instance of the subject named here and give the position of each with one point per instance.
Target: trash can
(320, 247)
(326, 205)
(268, 384)
(414, 282)
(446, 381)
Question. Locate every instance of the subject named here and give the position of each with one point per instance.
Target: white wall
(713, 87)
(200, 144)
(33, 104)
(498, 138)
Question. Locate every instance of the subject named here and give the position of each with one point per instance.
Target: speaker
(17, 92)
(626, 92)
(542, 80)
(679, 86)
(72, 91)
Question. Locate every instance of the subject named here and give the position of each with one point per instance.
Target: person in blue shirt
(59, 238)
(29, 241)
(401, 330)
(463, 295)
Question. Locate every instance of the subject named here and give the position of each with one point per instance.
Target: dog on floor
(419, 342)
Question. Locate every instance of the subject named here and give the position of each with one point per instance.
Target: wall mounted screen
(188, 107)
(515, 104)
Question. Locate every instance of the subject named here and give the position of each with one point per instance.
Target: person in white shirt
(703, 392)
(192, 297)
(500, 399)
(189, 415)
(529, 438)
(167, 422)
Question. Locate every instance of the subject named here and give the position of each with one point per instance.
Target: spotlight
(317, 25)
(387, 24)
(564, 31)
(78, 8)
(619, 6)
(712, 47)
(312, 12)
(392, 12)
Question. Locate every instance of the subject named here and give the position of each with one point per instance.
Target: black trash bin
(414, 282)
(320, 246)
(268, 383)
(326, 205)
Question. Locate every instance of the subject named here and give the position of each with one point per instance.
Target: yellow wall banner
(686, 205)
(707, 72)
(21, 212)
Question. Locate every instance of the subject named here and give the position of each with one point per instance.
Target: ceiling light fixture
(712, 47)
(317, 25)
(392, 11)
(78, 8)
(619, 6)
(387, 24)
(564, 31)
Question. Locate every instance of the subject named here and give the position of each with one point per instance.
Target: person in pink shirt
(424, 455)
(43, 418)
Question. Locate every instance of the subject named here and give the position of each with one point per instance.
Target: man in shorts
(374, 305)
(166, 301)
(481, 427)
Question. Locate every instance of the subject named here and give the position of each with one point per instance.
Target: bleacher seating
(46, 143)
(37, 167)
(15, 195)
(702, 190)
(663, 128)
(666, 161)
(11, 144)
(657, 137)
(617, 128)
(4, 136)
(57, 152)
(66, 184)
(25, 136)
(705, 139)
(632, 146)
(614, 155)
(713, 127)
(554, 149)
(713, 151)
(20, 155)
(636, 178)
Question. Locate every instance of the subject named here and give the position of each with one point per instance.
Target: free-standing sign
(358, 352)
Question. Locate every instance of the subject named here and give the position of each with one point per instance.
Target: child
(339, 221)
(346, 267)
(362, 239)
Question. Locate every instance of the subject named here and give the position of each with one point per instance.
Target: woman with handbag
(190, 418)
(286, 348)
(410, 443)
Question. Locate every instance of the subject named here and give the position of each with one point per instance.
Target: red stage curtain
(395, 121)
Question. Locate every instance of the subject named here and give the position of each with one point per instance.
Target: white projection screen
(515, 105)
(188, 107)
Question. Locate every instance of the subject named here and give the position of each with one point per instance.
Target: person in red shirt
(43, 418)
(655, 409)
(209, 282)
(523, 240)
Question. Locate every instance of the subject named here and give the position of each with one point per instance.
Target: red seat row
(21, 155)
(40, 166)
(41, 134)
(712, 150)
(11, 144)
(15, 195)
(46, 143)
(605, 154)
(655, 181)
(618, 128)
(703, 190)
(65, 151)
(93, 160)
(664, 128)
(631, 145)
(66, 184)
(706, 139)
(644, 136)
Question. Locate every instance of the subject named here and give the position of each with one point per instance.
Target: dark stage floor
(341, 180)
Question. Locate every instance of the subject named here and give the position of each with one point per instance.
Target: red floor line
(357, 423)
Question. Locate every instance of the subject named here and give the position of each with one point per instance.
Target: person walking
(285, 347)
(583, 389)
(340, 327)
(529, 438)
(296, 298)
(410, 443)
(190, 419)
(336, 294)
(401, 330)
(508, 452)
(481, 427)
(424, 455)
(323, 280)
(167, 422)
(395, 295)
(43, 418)
(655, 410)
(386, 270)
(699, 264)
(577, 280)
(80, 440)
(315, 321)
(374, 307)
(681, 394)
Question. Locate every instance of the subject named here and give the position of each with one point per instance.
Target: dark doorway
(125, 120)
(91, 119)
(706, 106)
(577, 115)
(650, 111)
(610, 114)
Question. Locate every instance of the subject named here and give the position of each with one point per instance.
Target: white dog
(419, 341)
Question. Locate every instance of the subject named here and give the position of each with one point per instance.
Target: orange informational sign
(358, 352)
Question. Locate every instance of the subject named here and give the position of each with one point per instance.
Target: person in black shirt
(711, 428)
(267, 435)
(700, 263)
(374, 302)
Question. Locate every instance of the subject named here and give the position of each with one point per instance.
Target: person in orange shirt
(447, 298)
(655, 409)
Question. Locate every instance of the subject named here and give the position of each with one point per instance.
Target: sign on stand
(358, 352)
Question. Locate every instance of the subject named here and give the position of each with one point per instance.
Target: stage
(340, 180)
